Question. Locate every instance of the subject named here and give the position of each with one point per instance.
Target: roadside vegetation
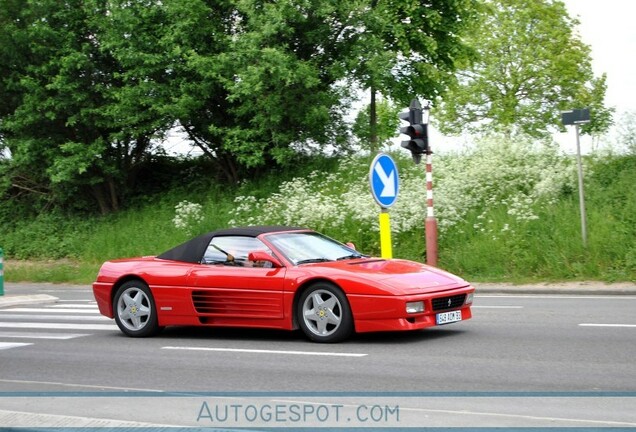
(507, 211)
(264, 91)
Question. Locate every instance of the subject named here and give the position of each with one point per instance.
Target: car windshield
(311, 247)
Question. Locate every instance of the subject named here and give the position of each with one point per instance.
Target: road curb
(558, 288)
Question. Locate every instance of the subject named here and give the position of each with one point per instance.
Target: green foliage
(530, 66)
(64, 124)
(90, 87)
(387, 123)
(502, 239)
(404, 49)
(516, 174)
(48, 236)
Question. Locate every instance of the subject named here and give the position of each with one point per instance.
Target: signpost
(385, 185)
(577, 117)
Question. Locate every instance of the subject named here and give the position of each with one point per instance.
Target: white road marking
(255, 351)
(523, 416)
(558, 296)
(92, 305)
(88, 386)
(606, 325)
(497, 307)
(94, 311)
(44, 325)
(55, 317)
(464, 412)
(32, 335)
(79, 290)
(9, 345)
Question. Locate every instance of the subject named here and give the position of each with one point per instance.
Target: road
(518, 353)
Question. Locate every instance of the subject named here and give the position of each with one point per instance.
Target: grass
(487, 245)
(51, 271)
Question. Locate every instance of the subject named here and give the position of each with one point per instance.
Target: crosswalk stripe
(51, 311)
(70, 317)
(55, 317)
(93, 305)
(33, 335)
(8, 345)
(58, 326)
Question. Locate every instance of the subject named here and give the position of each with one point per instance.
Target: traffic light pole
(430, 225)
(418, 145)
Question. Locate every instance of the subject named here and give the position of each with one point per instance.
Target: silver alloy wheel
(322, 312)
(134, 309)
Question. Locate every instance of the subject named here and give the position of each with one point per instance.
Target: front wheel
(324, 314)
(134, 310)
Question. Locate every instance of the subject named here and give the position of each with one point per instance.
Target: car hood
(401, 276)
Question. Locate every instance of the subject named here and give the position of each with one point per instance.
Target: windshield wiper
(352, 256)
(313, 260)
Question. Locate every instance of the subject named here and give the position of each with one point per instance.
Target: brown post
(431, 222)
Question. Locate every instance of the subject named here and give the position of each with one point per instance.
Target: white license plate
(448, 317)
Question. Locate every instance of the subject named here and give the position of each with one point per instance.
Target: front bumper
(388, 313)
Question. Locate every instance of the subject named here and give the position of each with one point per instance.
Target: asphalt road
(523, 360)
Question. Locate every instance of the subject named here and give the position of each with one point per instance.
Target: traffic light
(417, 131)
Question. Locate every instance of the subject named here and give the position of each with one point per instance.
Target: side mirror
(351, 245)
(264, 256)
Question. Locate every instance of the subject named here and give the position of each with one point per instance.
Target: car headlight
(469, 299)
(415, 307)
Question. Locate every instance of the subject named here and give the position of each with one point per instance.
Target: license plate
(448, 317)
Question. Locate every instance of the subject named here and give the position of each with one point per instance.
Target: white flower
(187, 216)
(517, 175)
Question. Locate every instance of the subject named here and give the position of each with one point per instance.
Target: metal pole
(581, 191)
(431, 222)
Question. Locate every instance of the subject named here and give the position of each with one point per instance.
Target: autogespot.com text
(301, 414)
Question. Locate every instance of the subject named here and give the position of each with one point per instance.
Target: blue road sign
(384, 181)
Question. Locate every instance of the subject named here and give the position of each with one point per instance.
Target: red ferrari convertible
(277, 277)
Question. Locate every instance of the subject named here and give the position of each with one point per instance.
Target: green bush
(507, 210)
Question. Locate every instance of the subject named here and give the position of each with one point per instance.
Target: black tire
(135, 311)
(324, 314)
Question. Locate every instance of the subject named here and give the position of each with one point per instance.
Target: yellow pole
(385, 234)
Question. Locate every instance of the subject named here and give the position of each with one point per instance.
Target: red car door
(237, 292)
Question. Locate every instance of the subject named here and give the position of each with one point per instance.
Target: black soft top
(193, 250)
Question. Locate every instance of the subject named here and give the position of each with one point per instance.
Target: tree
(626, 128)
(76, 126)
(256, 81)
(87, 85)
(530, 66)
(387, 122)
(409, 48)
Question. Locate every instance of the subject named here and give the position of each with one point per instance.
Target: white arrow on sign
(388, 181)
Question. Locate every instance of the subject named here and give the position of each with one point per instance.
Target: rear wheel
(324, 314)
(135, 311)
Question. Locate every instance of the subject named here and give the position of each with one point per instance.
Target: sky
(609, 28)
